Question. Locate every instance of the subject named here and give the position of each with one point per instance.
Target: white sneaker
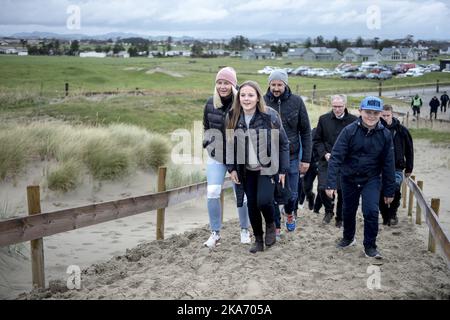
(213, 240)
(245, 236)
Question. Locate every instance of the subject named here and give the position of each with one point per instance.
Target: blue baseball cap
(372, 103)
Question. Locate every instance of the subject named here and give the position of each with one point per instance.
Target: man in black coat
(434, 105)
(404, 162)
(295, 121)
(328, 129)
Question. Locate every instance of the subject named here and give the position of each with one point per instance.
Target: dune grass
(105, 153)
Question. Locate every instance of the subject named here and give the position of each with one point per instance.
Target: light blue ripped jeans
(215, 175)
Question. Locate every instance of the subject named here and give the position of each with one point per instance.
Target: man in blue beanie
(364, 156)
(295, 121)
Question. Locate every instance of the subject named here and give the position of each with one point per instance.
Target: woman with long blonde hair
(257, 158)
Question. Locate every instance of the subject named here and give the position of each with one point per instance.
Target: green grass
(104, 152)
(433, 136)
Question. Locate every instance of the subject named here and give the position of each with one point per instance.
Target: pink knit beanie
(228, 74)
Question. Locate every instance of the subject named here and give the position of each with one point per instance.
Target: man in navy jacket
(364, 156)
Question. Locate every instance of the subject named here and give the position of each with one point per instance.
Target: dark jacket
(295, 121)
(444, 99)
(214, 118)
(328, 129)
(434, 104)
(403, 145)
(360, 154)
(267, 121)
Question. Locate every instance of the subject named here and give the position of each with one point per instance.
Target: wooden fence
(38, 225)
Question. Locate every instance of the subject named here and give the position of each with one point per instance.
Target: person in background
(416, 104)
(434, 105)
(328, 129)
(444, 101)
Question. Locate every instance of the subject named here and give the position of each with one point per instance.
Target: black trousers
(444, 106)
(328, 203)
(259, 190)
(390, 212)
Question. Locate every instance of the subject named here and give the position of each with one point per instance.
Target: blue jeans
(294, 176)
(370, 192)
(215, 176)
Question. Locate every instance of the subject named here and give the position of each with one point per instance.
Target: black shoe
(316, 211)
(394, 221)
(311, 198)
(270, 238)
(258, 245)
(327, 218)
(338, 223)
(372, 252)
(344, 243)
(386, 222)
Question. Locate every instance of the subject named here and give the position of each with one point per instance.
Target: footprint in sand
(87, 244)
(51, 247)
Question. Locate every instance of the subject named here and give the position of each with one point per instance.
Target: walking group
(435, 103)
(265, 143)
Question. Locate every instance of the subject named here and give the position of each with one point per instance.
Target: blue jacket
(360, 154)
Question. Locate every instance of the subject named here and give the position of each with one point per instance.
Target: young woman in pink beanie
(214, 116)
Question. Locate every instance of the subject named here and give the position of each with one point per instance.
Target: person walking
(444, 101)
(214, 115)
(364, 156)
(404, 163)
(257, 158)
(434, 105)
(306, 182)
(294, 117)
(416, 104)
(328, 129)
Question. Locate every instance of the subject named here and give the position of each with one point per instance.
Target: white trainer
(213, 240)
(245, 236)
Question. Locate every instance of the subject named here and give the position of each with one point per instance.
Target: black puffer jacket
(328, 129)
(214, 118)
(403, 145)
(268, 121)
(295, 121)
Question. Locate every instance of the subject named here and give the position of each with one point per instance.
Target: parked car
(348, 75)
(300, 71)
(385, 75)
(266, 70)
(360, 75)
(372, 76)
(414, 72)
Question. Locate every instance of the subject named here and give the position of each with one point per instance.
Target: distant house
(396, 54)
(258, 54)
(301, 53)
(358, 54)
(92, 54)
(315, 54)
(326, 54)
(8, 50)
(445, 51)
(22, 53)
(122, 54)
(235, 54)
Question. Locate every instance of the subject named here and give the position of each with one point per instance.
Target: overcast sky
(425, 19)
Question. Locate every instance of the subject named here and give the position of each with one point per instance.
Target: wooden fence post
(379, 88)
(418, 209)
(67, 88)
(222, 209)
(404, 193)
(37, 246)
(435, 205)
(161, 211)
(411, 199)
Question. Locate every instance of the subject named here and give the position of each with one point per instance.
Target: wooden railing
(38, 225)
(437, 234)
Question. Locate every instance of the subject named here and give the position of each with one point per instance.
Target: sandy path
(311, 258)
